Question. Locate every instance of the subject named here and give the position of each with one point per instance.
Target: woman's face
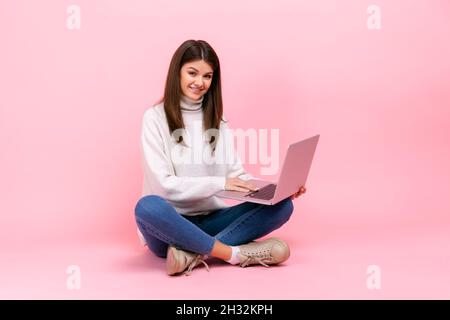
(195, 79)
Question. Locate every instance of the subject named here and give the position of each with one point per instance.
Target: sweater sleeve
(159, 166)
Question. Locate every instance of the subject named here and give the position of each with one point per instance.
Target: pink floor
(71, 107)
(328, 260)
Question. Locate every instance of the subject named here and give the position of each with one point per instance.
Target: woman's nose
(198, 82)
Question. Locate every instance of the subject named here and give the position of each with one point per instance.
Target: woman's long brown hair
(193, 50)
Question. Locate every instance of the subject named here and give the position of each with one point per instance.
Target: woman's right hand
(237, 184)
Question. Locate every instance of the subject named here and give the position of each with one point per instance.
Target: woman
(178, 216)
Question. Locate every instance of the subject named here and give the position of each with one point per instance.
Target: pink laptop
(294, 173)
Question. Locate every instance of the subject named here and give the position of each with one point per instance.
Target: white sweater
(177, 172)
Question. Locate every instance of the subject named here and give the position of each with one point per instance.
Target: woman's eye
(193, 74)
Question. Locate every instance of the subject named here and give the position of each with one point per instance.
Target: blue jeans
(161, 225)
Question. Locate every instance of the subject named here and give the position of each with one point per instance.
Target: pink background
(71, 105)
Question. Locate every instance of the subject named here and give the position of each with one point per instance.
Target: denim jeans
(161, 225)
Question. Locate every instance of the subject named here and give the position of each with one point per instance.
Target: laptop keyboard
(265, 193)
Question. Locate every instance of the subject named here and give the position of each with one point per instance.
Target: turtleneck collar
(188, 104)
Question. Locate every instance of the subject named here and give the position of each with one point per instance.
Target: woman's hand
(237, 184)
(301, 191)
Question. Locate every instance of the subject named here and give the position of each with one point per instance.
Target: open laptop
(294, 173)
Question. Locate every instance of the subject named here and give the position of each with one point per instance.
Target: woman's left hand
(301, 191)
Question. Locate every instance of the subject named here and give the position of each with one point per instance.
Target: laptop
(294, 173)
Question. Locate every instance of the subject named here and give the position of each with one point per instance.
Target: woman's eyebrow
(197, 70)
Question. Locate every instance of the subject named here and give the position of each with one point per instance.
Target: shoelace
(193, 264)
(252, 260)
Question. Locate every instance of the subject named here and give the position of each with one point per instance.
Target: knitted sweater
(188, 174)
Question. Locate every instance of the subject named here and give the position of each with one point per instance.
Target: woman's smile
(195, 90)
